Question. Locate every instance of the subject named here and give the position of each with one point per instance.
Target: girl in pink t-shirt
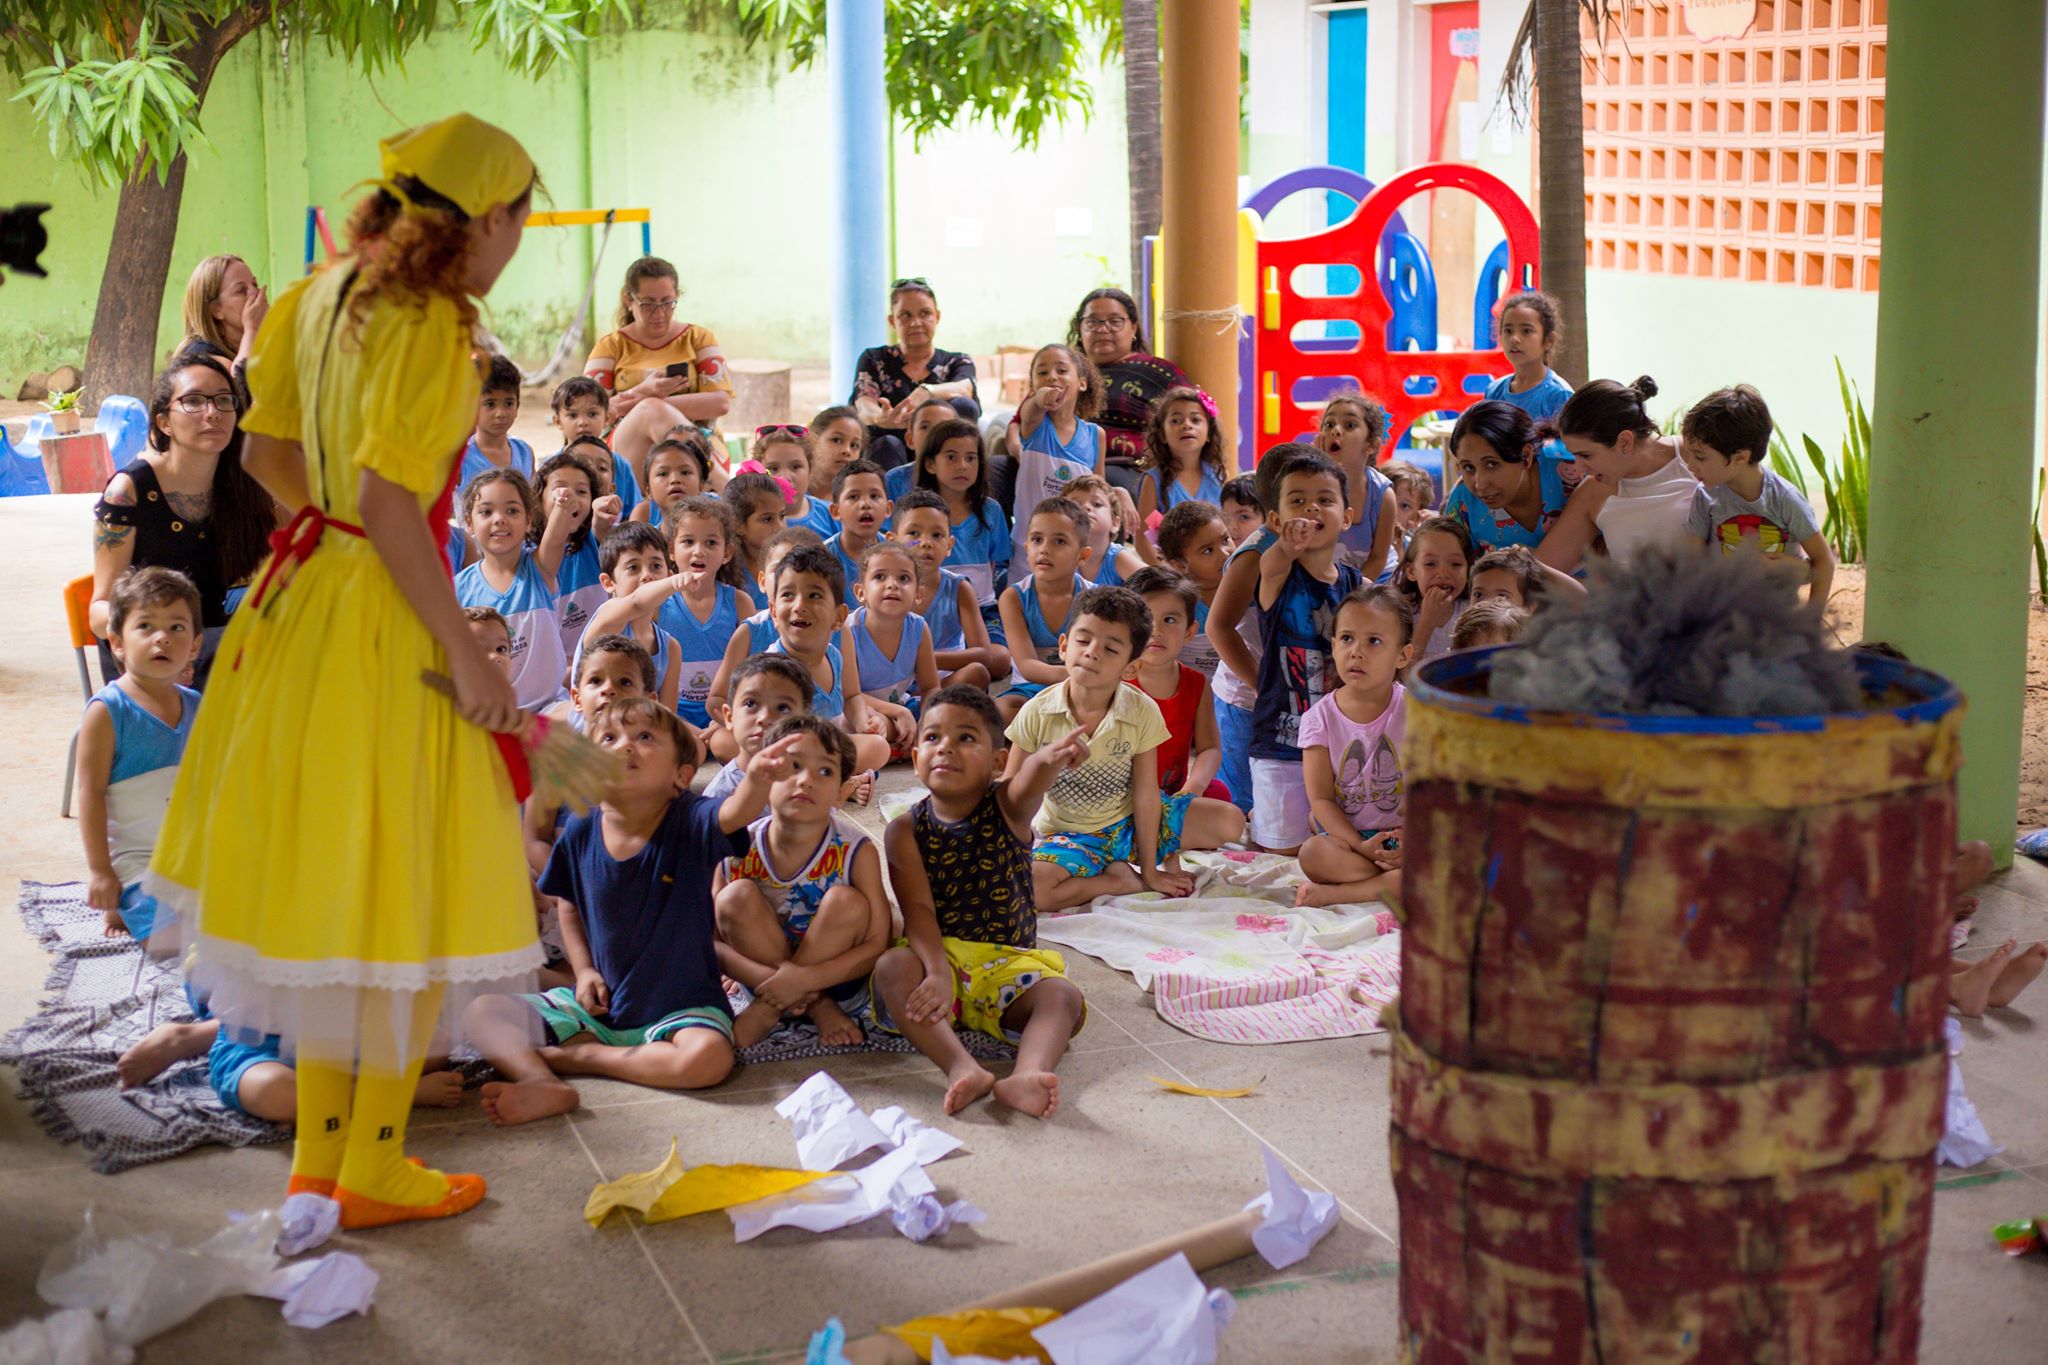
(1351, 755)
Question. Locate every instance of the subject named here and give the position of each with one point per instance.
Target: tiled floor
(525, 1278)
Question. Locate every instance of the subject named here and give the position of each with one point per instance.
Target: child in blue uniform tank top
(579, 590)
(861, 503)
(678, 467)
(1530, 329)
(131, 739)
(493, 446)
(517, 579)
(950, 464)
(784, 453)
(836, 435)
(1183, 454)
(1056, 442)
(1057, 537)
(758, 506)
(891, 644)
(1107, 562)
(581, 410)
(904, 477)
(960, 642)
(1352, 431)
(701, 610)
(641, 580)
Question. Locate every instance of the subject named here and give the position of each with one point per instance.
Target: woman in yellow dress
(342, 847)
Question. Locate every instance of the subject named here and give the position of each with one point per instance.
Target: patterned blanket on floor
(1238, 962)
(103, 994)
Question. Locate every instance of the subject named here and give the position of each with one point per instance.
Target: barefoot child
(638, 575)
(517, 579)
(1351, 756)
(766, 690)
(862, 506)
(960, 861)
(801, 912)
(891, 644)
(492, 445)
(1191, 755)
(1725, 439)
(1101, 814)
(1301, 581)
(946, 601)
(1053, 546)
(678, 467)
(610, 668)
(647, 1006)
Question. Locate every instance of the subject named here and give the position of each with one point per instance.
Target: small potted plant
(64, 412)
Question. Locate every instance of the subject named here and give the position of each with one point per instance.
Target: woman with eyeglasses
(1106, 329)
(891, 383)
(185, 503)
(660, 372)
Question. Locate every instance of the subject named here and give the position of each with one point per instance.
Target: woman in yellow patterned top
(342, 845)
(661, 372)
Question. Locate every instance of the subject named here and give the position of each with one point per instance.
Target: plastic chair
(77, 606)
(124, 421)
(21, 471)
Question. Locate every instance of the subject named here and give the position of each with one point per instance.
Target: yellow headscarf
(471, 163)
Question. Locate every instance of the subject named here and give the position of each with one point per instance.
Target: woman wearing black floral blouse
(892, 382)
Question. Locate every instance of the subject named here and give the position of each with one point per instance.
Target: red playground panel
(1281, 364)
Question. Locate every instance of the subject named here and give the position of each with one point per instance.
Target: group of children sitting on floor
(1083, 695)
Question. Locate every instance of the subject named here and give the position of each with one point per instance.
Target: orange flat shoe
(309, 1184)
(359, 1211)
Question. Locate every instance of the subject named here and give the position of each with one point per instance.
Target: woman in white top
(1637, 491)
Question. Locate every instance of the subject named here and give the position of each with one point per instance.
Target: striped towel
(1238, 962)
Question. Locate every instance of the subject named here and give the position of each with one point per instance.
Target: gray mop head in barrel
(1682, 632)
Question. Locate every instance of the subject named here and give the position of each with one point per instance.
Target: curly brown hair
(418, 255)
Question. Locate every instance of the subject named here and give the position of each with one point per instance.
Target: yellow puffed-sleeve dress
(335, 825)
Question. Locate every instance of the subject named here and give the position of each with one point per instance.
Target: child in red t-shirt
(1193, 752)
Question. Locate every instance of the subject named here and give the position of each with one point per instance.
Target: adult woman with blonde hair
(342, 848)
(661, 373)
(224, 308)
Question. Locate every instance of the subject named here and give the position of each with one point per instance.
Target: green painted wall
(1693, 336)
(726, 146)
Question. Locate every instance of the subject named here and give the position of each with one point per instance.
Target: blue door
(1344, 131)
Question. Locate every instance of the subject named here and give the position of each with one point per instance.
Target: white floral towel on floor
(1237, 962)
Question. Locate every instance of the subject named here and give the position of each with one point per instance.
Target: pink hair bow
(1208, 403)
(756, 467)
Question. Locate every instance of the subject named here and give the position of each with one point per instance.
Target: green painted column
(1958, 318)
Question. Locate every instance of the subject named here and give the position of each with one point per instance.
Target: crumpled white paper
(309, 1220)
(831, 1129)
(315, 1293)
(1964, 1139)
(70, 1336)
(1295, 1219)
(942, 1356)
(923, 1217)
(837, 1201)
(1163, 1315)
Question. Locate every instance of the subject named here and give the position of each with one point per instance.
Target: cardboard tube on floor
(1207, 1246)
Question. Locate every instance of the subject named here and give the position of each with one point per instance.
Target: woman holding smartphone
(661, 372)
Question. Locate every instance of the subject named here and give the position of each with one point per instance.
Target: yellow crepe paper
(671, 1190)
(1000, 1332)
(1182, 1088)
(704, 1188)
(637, 1192)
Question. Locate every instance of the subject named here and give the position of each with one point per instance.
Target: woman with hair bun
(1637, 490)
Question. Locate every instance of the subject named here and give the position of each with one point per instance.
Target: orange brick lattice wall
(1756, 158)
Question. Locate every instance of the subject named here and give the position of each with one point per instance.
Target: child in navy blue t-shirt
(638, 926)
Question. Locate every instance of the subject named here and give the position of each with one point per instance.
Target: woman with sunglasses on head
(891, 383)
(659, 371)
(185, 503)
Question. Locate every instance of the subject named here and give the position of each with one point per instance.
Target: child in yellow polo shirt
(1099, 814)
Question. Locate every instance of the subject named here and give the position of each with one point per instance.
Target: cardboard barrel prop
(1669, 1070)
